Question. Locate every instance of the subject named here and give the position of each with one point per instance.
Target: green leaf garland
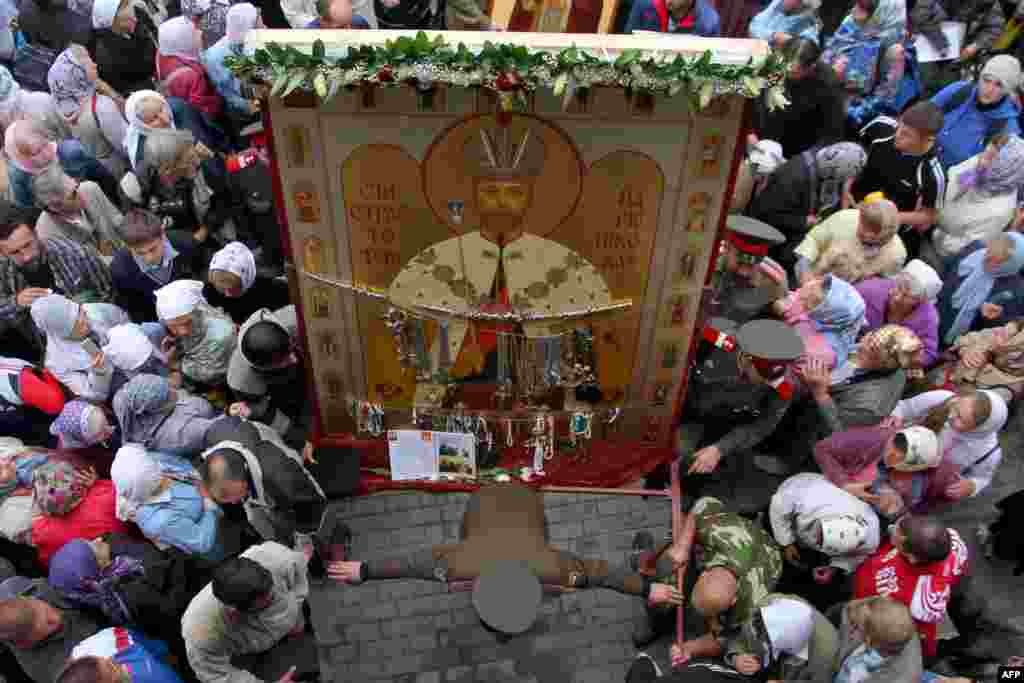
(511, 70)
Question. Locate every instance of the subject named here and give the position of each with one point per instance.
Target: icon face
(321, 303)
(661, 392)
(456, 211)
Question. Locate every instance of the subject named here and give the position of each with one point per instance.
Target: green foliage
(507, 68)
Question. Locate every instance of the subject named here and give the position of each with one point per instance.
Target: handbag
(32, 63)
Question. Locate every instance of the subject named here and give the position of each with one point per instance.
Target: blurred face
(8, 470)
(869, 234)
(83, 58)
(101, 549)
(22, 247)
(339, 15)
(231, 492)
(151, 253)
(993, 259)
(154, 114)
(893, 455)
(792, 6)
(111, 672)
(861, 12)
(962, 415)
(125, 20)
(680, 7)
(910, 140)
(811, 294)
(186, 166)
(46, 621)
(181, 326)
(899, 540)
(990, 90)
(901, 295)
(989, 155)
(228, 284)
(71, 202)
(81, 329)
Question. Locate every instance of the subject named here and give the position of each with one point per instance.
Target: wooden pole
(683, 530)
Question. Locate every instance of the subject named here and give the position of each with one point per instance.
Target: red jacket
(93, 517)
(925, 589)
(190, 84)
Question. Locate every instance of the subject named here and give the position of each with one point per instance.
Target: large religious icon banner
(532, 273)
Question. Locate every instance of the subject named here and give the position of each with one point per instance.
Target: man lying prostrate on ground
(505, 523)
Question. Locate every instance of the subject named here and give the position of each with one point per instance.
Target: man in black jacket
(816, 114)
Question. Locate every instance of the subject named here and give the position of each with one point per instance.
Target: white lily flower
(776, 98)
(752, 86)
(707, 91)
(320, 84)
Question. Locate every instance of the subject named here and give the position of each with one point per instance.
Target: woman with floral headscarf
(159, 417)
(235, 286)
(981, 199)
(241, 19)
(93, 117)
(125, 45)
(75, 335)
(867, 50)
(180, 68)
(805, 190)
(82, 425)
(72, 503)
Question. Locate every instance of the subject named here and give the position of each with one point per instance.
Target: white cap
(923, 452)
(10, 446)
(765, 157)
(842, 534)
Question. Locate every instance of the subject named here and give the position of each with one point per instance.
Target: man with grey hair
(152, 258)
(76, 210)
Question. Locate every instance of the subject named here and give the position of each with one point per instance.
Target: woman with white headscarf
(160, 494)
(200, 338)
(908, 299)
(788, 639)
(147, 112)
(180, 68)
(239, 102)
(85, 102)
(159, 417)
(75, 336)
(235, 286)
(970, 423)
(125, 46)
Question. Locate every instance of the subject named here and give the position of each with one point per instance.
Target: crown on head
(506, 150)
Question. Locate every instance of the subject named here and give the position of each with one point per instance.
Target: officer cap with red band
(771, 345)
(752, 236)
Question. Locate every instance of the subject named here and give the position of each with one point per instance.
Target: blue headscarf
(977, 284)
(839, 317)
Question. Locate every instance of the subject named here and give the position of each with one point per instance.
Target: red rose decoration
(507, 81)
(385, 75)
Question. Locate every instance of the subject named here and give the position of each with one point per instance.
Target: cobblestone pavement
(413, 631)
(417, 632)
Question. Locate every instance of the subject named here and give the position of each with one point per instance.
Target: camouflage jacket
(743, 547)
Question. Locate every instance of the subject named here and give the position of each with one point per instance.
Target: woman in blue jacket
(976, 111)
(695, 17)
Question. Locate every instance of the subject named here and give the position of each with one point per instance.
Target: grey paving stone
(496, 671)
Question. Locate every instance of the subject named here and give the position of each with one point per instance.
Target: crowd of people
(161, 507)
